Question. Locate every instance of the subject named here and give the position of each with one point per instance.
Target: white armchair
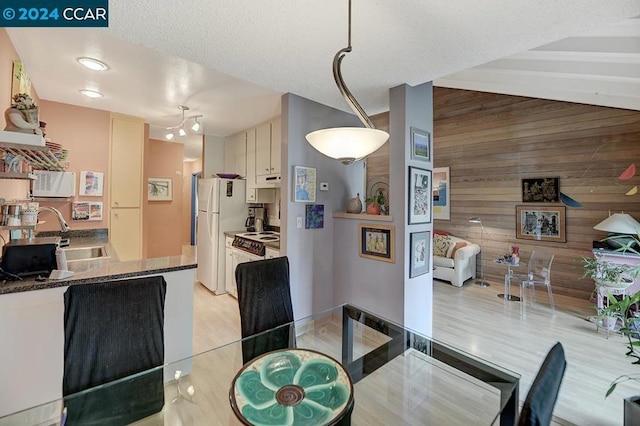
(454, 259)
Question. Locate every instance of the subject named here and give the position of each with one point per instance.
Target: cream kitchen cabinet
(253, 193)
(268, 163)
(124, 233)
(235, 154)
(126, 189)
(127, 147)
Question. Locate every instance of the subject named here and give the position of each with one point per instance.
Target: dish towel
(264, 298)
(113, 330)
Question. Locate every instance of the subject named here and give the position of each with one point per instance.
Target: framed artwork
(420, 253)
(304, 190)
(441, 206)
(314, 216)
(160, 189)
(541, 190)
(91, 183)
(419, 195)
(377, 242)
(542, 223)
(86, 210)
(420, 145)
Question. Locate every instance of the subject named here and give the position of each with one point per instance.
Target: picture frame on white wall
(160, 189)
(420, 196)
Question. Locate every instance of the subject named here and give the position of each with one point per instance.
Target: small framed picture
(91, 183)
(420, 195)
(420, 253)
(542, 223)
(304, 190)
(314, 216)
(441, 204)
(541, 190)
(377, 242)
(159, 189)
(420, 145)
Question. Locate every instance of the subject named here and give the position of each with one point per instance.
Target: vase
(354, 205)
(373, 208)
(632, 411)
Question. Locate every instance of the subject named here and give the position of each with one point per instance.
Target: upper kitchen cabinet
(127, 147)
(268, 140)
(255, 194)
(235, 154)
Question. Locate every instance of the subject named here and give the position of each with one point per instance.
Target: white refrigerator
(221, 208)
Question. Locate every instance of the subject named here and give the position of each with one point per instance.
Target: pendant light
(348, 144)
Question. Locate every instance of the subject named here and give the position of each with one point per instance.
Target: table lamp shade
(619, 223)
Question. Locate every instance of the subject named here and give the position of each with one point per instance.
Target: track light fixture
(180, 127)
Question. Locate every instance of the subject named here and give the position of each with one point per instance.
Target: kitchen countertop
(101, 269)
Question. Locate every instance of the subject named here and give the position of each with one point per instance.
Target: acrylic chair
(539, 274)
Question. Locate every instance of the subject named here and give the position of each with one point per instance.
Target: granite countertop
(101, 269)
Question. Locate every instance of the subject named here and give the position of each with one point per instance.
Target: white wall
(310, 251)
(213, 156)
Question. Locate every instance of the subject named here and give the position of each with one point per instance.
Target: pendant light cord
(346, 93)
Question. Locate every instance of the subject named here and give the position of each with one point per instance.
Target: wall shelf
(38, 156)
(363, 216)
(12, 175)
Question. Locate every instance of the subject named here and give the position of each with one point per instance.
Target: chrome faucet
(64, 226)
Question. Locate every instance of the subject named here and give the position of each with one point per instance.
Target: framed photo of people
(541, 223)
(420, 195)
(377, 242)
(420, 253)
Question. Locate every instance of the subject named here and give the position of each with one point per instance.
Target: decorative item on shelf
(376, 203)
(348, 144)
(22, 115)
(354, 205)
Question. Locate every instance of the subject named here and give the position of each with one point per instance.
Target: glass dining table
(394, 376)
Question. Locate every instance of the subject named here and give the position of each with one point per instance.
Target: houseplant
(376, 203)
(626, 310)
(607, 273)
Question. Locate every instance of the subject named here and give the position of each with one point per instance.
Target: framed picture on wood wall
(541, 223)
(377, 242)
(541, 190)
(441, 201)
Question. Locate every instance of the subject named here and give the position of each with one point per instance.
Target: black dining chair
(264, 299)
(543, 394)
(113, 330)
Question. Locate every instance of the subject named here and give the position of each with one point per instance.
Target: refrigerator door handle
(209, 227)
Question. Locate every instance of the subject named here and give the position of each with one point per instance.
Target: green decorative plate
(291, 387)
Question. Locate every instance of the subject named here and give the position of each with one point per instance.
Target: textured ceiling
(231, 60)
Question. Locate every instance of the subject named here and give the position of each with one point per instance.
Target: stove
(254, 242)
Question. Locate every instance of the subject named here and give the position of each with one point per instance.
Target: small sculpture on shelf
(22, 115)
(354, 205)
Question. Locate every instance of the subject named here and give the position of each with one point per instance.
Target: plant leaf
(610, 390)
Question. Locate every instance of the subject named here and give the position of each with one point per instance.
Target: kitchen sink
(85, 253)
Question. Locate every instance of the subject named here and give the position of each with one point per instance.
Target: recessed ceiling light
(91, 93)
(93, 64)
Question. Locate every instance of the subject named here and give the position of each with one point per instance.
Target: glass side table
(507, 280)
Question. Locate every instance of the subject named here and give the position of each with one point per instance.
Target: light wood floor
(475, 320)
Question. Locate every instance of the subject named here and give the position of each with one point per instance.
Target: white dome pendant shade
(348, 144)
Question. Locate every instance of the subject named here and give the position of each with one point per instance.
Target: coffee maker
(254, 213)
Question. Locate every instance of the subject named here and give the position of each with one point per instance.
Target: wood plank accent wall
(492, 141)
